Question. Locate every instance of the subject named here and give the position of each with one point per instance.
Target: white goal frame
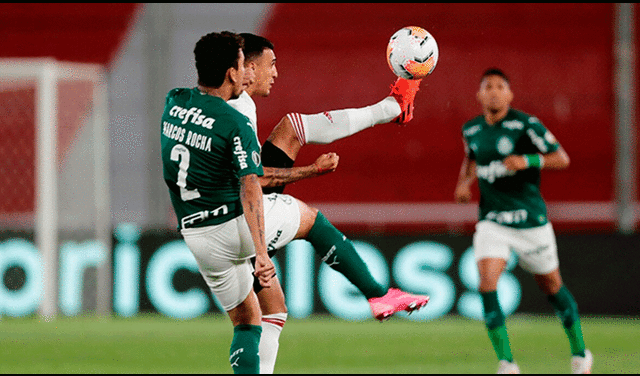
(47, 72)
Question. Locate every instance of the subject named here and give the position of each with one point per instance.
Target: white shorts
(536, 247)
(282, 219)
(223, 251)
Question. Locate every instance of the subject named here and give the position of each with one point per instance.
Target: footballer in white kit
(283, 212)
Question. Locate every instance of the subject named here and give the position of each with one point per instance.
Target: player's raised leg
(337, 251)
(296, 130)
(404, 91)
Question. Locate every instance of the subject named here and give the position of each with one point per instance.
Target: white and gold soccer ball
(412, 53)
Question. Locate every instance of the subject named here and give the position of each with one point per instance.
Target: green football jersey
(507, 197)
(206, 147)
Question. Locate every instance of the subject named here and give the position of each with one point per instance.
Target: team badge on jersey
(256, 158)
(505, 146)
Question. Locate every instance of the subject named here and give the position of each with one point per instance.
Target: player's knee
(294, 127)
(275, 308)
(488, 279)
(246, 313)
(487, 284)
(279, 309)
(549, 283)
(286, 121)
(307, 213)
(285, 129)
(271, 304)
(307, 220)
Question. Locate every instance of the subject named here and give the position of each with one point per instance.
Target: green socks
(494, 320)
(566, 308)
(244, 349)
(338, 252)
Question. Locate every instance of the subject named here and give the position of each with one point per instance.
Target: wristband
(534, 160)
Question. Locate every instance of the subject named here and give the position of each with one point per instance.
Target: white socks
(269, 341)
(330, 126)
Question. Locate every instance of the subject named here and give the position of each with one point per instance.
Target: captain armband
(534, 160)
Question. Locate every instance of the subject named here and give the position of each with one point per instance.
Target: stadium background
(394, 186)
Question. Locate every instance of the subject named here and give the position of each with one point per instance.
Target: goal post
(59, 172)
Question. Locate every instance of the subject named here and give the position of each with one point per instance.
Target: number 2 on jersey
(180, 154)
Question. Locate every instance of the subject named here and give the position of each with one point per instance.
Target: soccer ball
(412, 53)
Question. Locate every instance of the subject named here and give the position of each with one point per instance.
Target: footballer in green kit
(211, 158)
(211, 165)
(510, 198)
(505, 150)
(193, 149)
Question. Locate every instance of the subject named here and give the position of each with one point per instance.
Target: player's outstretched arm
(274, 177)
(466, 177)
(252, 204)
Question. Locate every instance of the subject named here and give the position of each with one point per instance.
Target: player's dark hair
(254, 45)
(495, 72)
(215, 53)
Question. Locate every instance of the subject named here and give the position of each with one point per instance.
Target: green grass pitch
(321, 344)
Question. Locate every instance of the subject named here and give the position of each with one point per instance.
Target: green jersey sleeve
(245, 150)
(469, 130)
(540, 136)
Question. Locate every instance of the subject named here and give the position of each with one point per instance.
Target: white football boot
(505, 367)
(582, 365)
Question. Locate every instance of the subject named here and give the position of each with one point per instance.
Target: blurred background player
(278, 155)
(212, 174)
(506, 149)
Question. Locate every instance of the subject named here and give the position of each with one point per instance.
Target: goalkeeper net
(54, 186)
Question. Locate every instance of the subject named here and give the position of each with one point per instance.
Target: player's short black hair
(254, 45)
(215, 53)
(495, 72)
